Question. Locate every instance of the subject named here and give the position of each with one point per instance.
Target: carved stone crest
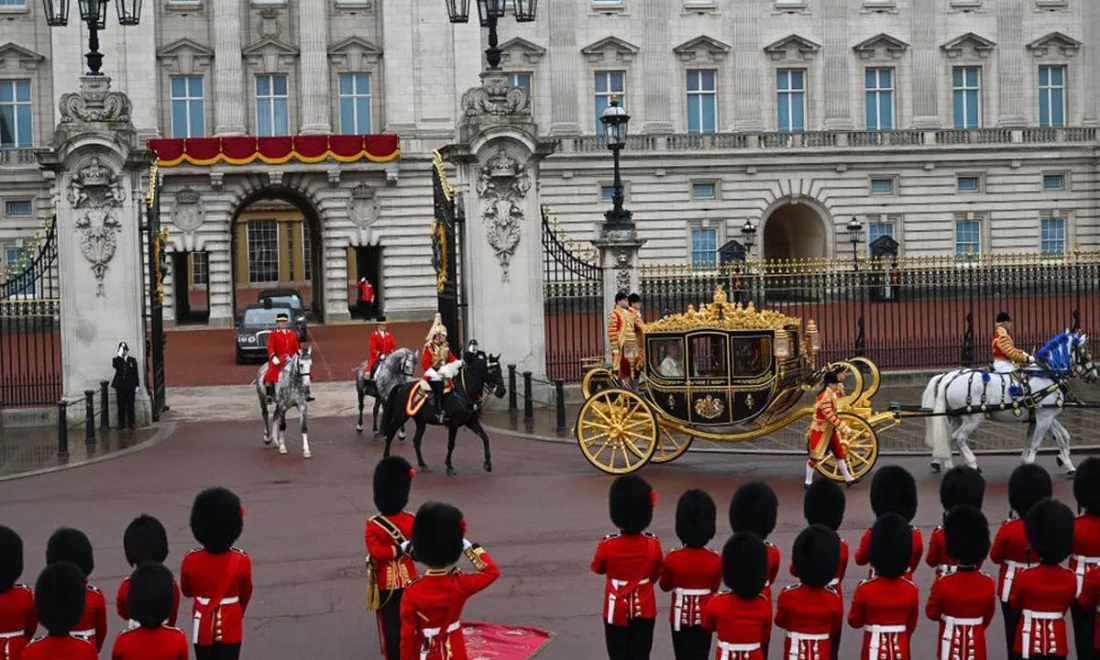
(496, 97)
(95, 103)
(95, 194)
(363, 206)
(188, 213)
(623, 270)
(502, 184)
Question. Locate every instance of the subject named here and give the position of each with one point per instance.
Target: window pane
(347, 116)
(23, 123)
(263, 85)
(23, 91)
(20, 208)
(345, 83)
(280, 85)
(882, 186)
(198, 122)
(783, 81)
(703, 191)
(282, 117)
(957, 77)
(972, 76)
(1054, 182)
(263, 118)
(1057, 109)
(179, 86)
(195, 85)
(870, 80)
(694, 102)
(179, 119)
(710, 119)
(886, 111)
(972, 109)
(7, 126)
(968, 183)
(607, 192)
(798, 102)
(1044, 107)
(784, 111)
(693, 81)
(601, 82)
(618, 83)
(1058, 75)
(362, 125)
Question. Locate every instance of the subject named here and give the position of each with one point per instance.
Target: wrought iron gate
(573, 303)
(445, 251)
(30, 324)
(155, 339)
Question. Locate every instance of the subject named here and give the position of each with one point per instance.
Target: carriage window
(666, 357)
(708, 356)
(751, 356)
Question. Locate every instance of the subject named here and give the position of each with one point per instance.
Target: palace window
(520, 80)
(876, 230)
(702, 101)
(791, 87)
(12, 4)
(707, 190)
(882, 186)
(263, 251)
(200, 268)
(608, 83)
(704, 246)
(879, 86)
(969, 184)
(18, 208)
(15, 114)
(355, 107)
(966, 91)
(1052, 96)
(968, 236)
(1052, 236)
(272, 105)
(188, 104)
(1054, 182)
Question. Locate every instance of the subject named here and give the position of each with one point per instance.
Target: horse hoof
(267, 440)
(424, 469)
(451, 471)
(359, 429)
(1071, 473)
(282, 450)
(376, 433)
(1058, 460)
(488, 466)
(307, 454)
(401, 435)
(936, 468)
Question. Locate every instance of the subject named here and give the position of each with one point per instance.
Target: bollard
(528, 405)
(89, 417)
(511, 387)
(62, 429)
(104, 406)
(559, 394)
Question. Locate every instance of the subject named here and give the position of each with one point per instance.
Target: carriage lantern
(782, 344)
(811, 343)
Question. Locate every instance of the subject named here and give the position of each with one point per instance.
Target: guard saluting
(389, 568)
(887, 606)
(59, 603)
(1043, 594)
(1085, 559)
(72, 545)
(961, 486)
(17, 619)
(151, 588)
(743, 618)
(693, 574)
(812, 612)
(893, 490)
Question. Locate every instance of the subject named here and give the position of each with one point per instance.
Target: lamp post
(748, 237)
(615, 120)
(488, 13)
(855, 235)
(93, 13)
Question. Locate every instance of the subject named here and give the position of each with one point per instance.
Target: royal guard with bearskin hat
(823, 436)
(151, 596)
(436, 355)
(622, 338)
(431, 607)
(1085, 560)
(824, 504)
(1042, 594)
(217, 575)
(144, 541)
(1006, 357)
(59, 603)
(961, 486)
(1028, 484)
(893, 490)
(754, 508)
(965, 599)
(886, 607)
(282, 343)
(812, 612)
(632, 561)
(741, 617)
(389, 569)
(381, 344)
(73, 546)
(693, 573)
(1088, 601)
(17, 618)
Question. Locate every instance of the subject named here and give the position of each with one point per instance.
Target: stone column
(400, 95)
(1012, 74)
(229, 80)
(927, 65)
(619, 261)
(656, 72)
(836, 55)
(564, 69)
(99, 164)
(313, 69)
(1090, 61)
(748, 67)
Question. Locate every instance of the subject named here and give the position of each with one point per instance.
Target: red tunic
(280, 344)
(93, 623)
(823, 428)
(391, 571)
(632, 563)
(773, 569)
(1004, 349)
(201, 576)
(428, 362)
(938, 558)
(743, 626)
(812, 617)
(60, 647)
(1010, 550)
(693, 575)
(122, 603)
(1089, 599)
(366, 291)
(17, 621)
(964, 603)
(381, 344)
(863, 552)
(1042, 595)
(164, 643)
(431, 609)
(841, 569)
(887, 609)
(1086, 547)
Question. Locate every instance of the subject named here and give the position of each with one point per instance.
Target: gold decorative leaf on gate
(709, 407)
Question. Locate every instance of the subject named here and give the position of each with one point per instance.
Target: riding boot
(437, 398)
(269, 391)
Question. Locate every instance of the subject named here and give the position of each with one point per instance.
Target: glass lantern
(525, 10)
(458, 10)
(94, 12)
(129, 11)
(57, 12)
(782, 344)
(490, 10)
(615, 120)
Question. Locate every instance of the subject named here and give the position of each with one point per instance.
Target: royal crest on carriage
(709, 407)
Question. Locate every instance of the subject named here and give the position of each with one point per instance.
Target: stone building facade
(951, 125)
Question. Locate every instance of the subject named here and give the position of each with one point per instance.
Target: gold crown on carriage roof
(721, 314)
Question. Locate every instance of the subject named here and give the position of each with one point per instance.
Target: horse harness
(1020, 394)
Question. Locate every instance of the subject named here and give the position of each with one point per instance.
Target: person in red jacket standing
(59, 603)
(742, 617)
(144, 541)
(1043, 594)
(217, 575)
(435, 355)
(964, 600)
(893, 490)
(1085, 559)
(693, 573)
(812, 612)
(366, 298)
(887, 606)
(824, 504)
(632, 561)
(754, 508)
(72, 545)
(381, 344)
(17, 618)
(282, 343)
(1028, 484)
(1089, 601)
(151, 588)
(961, 486)
(391, 569)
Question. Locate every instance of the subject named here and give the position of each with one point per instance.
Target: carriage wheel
(595, 380)
(617, 431)
(860, 445)
(671, 445)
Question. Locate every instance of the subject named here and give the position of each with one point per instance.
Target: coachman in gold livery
(823, 435)
(623, 338)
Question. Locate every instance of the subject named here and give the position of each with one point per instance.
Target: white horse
(291, 391)
(960, 400)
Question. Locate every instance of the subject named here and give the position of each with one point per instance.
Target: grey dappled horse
(291, 391)
(962, 399)
(396, 368)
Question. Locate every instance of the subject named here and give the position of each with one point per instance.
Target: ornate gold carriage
(724, 372)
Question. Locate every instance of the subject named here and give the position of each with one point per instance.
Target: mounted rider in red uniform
(435, 355)
(381, 345)
(281, 344)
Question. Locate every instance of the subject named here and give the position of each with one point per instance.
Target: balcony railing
(16, 157)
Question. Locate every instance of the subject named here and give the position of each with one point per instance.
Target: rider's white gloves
(275, 360)
(1031, 359)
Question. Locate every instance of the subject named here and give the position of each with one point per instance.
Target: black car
(287, 298)
(253, 327)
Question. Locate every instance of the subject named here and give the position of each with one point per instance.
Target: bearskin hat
(1049, 528)
(392, 480)
(217, 519)
(1086, 485)
(745, 564)
(11, 558)
(962, 486)
(71, 545)
(891, 545)
(816, 555)
(631, 503)
(151, 594)
(824, 504)
(893, 490)
(1028, 484)
(59, 597)
(695, 518)
(966, 535)
(754, 508)
(437, 535)
(145, 540)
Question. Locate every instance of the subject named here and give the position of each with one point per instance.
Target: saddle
(417, 398)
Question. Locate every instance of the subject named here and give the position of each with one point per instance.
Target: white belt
(1010, 573)
(798, 638)
(1029, 617)
(133, 625)
(88, 634)
(1083, 564)
(734, 651)
(225, 601)
(678, 603)
(950, 623)
(877, 633)
(431, 633)
(10, 635)
(198, 615)
(615, 584)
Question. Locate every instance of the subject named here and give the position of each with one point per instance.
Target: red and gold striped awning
(276, 150)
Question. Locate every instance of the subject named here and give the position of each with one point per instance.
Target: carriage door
(753, 361)
(708, 378)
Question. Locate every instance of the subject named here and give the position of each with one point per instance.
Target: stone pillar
(656, 72)
(564, 69)
(927, 65)
(229, 80)
(1090, 62)
(400, 95)
(836, 56)
(99, 164)
(748, 67)
(619, 261)
(1012, 58)
(314, 72)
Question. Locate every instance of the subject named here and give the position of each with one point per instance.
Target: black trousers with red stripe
(389, 623)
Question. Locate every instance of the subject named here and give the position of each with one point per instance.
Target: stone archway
(795, 230)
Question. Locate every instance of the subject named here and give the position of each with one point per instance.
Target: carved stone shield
(363, 206)
(188, 213)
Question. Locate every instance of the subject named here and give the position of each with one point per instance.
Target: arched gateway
(796, 228)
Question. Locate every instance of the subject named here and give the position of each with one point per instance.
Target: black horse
(479, 375)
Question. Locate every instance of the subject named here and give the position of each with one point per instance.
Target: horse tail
(937, 427)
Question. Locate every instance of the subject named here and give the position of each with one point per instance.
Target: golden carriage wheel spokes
(617, 431)
(860, 447)
(671, 444)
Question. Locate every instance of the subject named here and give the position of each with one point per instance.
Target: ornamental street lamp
(93, 13)
(488, 13)
(855, 235)
(748, 237)
(615, 119)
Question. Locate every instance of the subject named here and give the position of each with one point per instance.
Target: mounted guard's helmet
(282, 316)
(437, 328)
